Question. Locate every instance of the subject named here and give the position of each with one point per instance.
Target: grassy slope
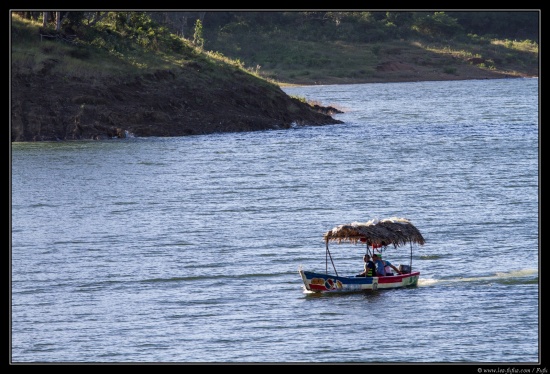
(284, 58)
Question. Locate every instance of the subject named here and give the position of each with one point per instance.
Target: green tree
(438, 24)
(198, 40)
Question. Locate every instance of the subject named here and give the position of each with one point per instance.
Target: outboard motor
(404, 268)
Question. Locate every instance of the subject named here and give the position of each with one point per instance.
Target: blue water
(187, 249)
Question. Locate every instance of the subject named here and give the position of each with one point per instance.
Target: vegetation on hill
(361, 47)
(95, 75)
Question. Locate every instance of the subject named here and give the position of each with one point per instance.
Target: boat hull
(320, 282)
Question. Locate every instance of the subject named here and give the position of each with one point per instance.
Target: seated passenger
(368, 269)
(379, 265)
(388, 266)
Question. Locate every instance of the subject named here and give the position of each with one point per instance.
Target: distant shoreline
(332, 81)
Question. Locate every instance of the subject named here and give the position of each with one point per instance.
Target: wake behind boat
(376, 235)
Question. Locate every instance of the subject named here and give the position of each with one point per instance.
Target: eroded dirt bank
(47, 106)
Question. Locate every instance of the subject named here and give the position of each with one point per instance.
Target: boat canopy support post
(411, 260)
(326, 260)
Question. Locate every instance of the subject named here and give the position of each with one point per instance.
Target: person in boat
(380, 271)
(369, 270)
(388, 266)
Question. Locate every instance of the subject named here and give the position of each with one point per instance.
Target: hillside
(65, 91)
(376, 47)
(163, 103)
(134, 78)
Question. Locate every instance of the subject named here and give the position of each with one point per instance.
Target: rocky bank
(49, 106)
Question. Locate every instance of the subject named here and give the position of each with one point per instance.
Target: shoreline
(396, 80)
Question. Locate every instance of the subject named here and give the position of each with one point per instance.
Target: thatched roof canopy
(396, 231)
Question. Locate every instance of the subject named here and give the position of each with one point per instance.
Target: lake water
(187, 249)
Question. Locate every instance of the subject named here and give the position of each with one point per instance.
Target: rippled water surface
(187, 249)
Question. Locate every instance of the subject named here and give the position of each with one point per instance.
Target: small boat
(376, 235)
